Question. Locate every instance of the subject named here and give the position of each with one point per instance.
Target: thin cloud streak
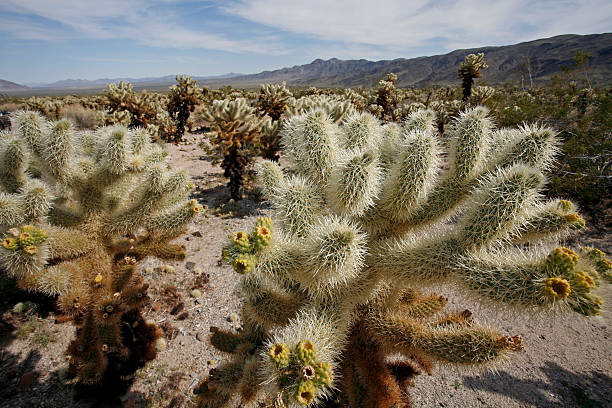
(133, 20)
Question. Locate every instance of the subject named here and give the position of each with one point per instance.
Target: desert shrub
(333, 285)
(78, 211)
(234, 132)
(82, 117)
(182, 100)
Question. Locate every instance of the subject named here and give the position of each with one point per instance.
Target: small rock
(182, 316)
(200, 336)
(190, 265)
(196, 293)
(198, 271)
(197, 234)
(161, 344)
(19, 308)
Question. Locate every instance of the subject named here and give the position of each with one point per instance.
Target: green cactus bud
(305, 393)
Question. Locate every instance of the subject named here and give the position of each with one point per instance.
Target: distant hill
(102, 82)
(546, 56)
(11, 86)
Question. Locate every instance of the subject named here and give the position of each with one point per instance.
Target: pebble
(18, 308)
(196, 293)
(200, 337)
(190, 265)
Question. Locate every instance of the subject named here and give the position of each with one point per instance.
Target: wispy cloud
(155, 23)
(399, 24)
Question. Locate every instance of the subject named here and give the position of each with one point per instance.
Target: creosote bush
(334, 287)
(78, 211)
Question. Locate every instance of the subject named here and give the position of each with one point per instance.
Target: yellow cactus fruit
(575, 220)
(98, 279)
(557, 288)
(244, 264)
(10, 243)
(305, 351)
(30, 249)
(265, 222)
(305, 393)
(562, 260)
(261, 237)
(585, 280)
(279, 353)
(241, 239)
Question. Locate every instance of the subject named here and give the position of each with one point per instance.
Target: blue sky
(48, 40)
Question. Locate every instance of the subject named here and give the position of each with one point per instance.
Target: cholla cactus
(373, 215)
(77, 212)
(482, 94)
(469, 70)
(182, 100)
(272, 103)
(386, 94)
(336, 108)
(234, 131)
(273, 100)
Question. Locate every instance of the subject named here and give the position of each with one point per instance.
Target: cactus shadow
(573, 389)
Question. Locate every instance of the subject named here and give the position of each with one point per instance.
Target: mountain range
(542, 58)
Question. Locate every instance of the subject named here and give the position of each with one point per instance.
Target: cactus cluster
(272, 102)
(182, 100)
(128, 108)
(372, 215)
(78, 210)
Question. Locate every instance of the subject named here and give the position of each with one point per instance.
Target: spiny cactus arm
(420, 121)
(360, 131)
(602, 265)
(67, 243)
(160, 185)
(175, 218)
(473, 345)
(311, 142)
(24, 251)
(13, 163)
(58, 149)
(268, 305)
(550, 221)
(562, 279)
(29, 127)
(498, 205)
(532, 145)
(411, 178)
(271, 177)
(11, 210)
(333, 255)
(298, 204)
(354, 182)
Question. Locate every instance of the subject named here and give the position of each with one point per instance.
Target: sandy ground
(567, 362)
